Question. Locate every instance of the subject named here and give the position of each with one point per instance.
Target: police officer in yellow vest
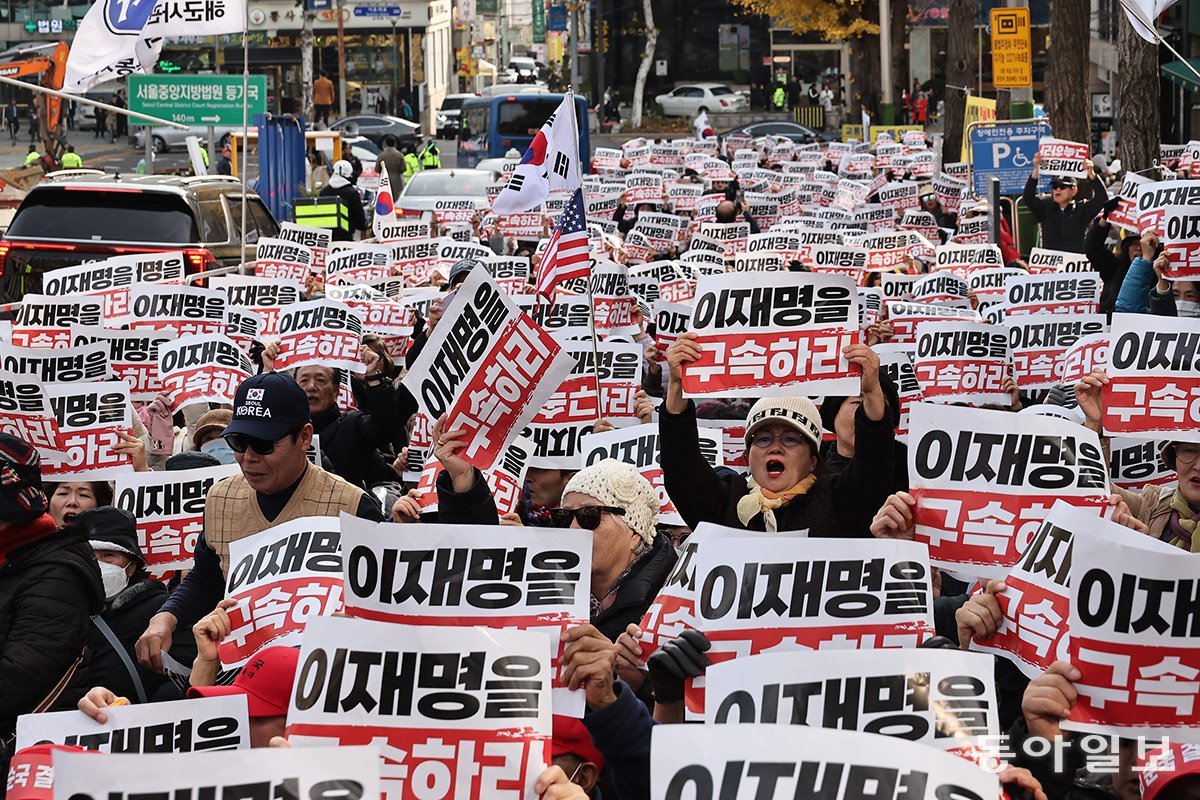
(779, 99)
(33, 156)
(269, 434)
(431, 158)
(411, 164)
(71, 159)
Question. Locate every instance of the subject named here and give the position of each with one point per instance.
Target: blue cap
(268, 406)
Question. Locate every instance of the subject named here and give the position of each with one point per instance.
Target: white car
(692, 98)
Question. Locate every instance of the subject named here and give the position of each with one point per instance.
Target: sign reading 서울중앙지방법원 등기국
(196, 99)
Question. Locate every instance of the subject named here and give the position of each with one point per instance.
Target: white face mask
(114, 577)
(219, 449)
(1187, 308)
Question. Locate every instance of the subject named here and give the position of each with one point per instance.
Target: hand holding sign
(683, 350)
(1048, 700)
(446, 445)
(588, 663)
(981, 616)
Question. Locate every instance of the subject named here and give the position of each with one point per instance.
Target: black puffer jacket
(638, 590)
(49, 589)
(127, 614)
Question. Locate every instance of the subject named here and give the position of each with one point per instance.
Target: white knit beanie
(617, 484)
(798, 412)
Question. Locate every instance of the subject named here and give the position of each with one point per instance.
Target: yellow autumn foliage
(835, 21)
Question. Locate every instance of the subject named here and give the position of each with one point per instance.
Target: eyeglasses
(240, 442)
(788, 439)
(1186, 453)
(587, 516)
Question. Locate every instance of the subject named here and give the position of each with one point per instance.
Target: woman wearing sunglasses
(629, 562)
(786, 489)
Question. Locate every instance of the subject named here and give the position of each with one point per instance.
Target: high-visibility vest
(32, 158)
(780, 98)
(321, 212)
(411, 165)
(71, 161)
(430, 158)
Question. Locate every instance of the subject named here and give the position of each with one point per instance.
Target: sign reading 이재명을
(196, 99)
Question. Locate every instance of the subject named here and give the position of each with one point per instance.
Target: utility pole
(392, 104)
(1020, 100)
(306, 66)
(886, 109)
(341, 34)
(573, 35)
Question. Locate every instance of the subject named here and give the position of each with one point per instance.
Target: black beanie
(21, 497)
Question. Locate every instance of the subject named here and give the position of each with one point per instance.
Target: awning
(1178, 73)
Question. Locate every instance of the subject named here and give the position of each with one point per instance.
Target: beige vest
(231, 509)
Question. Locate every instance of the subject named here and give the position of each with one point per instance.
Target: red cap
(1173, 762)
(571, 737)
(31, 774)
(266, 680)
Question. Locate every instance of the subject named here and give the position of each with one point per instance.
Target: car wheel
(159, 144)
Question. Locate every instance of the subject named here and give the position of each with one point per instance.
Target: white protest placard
(181, 310)
(961, 258)
(169, 508)
(1133, 627)
(81, 363)
(904, 317)
(1040, 343)
(1042, 261)
(777, 762)
(318, 239)
(639, 445)
(263, 296)
(25, 412)
(202, 369)
(984, 481)
(91, 418)
(113, 277)
(962, 362)
(557, 313)
(360, 264)
(199, 725)
(896, 361)
(988, 282)
(132, 356)
(473, 701)
(281, 258)
(402, 229)
(510, 272)
(281, 577)
(1134, 464)
(505, 479)
(1155, 376)
(1155, 197)
(489, 367)
(942, 287)
(320, 333)
(380, 314)
(1088, 353)
(612, 299)
(1063, 159)
(1181, 242)
(242, 326)
(1125, 215)
(1053, 293)
(45, 321)
(265, 772)
(938, 698)
(773, 335)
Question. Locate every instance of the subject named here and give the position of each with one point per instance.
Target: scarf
(18, 535)
(1182, 524)
(765, 501)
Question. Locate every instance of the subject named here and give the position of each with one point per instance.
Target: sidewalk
(89, 149)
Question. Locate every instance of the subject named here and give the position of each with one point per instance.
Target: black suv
(81, 216)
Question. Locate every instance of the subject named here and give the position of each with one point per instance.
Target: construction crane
(47, 63)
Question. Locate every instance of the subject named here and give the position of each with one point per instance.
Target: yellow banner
(979, 109)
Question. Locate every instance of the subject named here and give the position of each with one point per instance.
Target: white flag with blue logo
(124, 37)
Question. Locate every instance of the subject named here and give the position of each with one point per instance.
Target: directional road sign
(196, 99)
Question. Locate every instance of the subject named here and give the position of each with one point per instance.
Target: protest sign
(1155, 376)
(762, 261)
(639, 445)
(510, 272)
(984, 481)
(91, 418)
(505, 479)
(281, 577)
(887, 251)
(558, 313)
(733, 442)
(943, 699)
(670, 319)
(1181, 242)
(773, 335)
(1064, 159)
(1088, 353)
(899, 195)
(81, 363)
(263, 296)
(944, 288)
(380, 314)
(950, 192)
(612, 299)
(320, 333)
(415, 260)
(202, 369)
(1125, 214)
(1154, 198)
(283, 259)
(1134, 464)
(896, 286)
(988, 282)
(732, 235)
(45, 321)
(169, 508)
(1057, 293)
(762, 762)
(25, 412)
(199, 725)
(361, 264)
(181, 310)
(962, 362)
(132, 356)
(1040, 343)
(488, 367)
(351, 773)
(400, 230)
(316, 239)
(1042, 261)
(961, 258)
(112, 278)
(242, 326)
(896, 361)
(457, 712)
(905, 316)
(851, 262)
(1133, 637)
(870, 306)
(606, 158)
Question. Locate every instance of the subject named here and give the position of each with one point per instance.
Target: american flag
(568, 251)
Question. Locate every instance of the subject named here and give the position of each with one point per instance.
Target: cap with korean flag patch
(268, 406)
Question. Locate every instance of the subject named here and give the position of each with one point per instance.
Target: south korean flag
(550, 163)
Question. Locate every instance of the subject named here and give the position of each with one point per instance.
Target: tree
(639, 83)
(853, 21)
(1067, 66)
(960, 73)
(1137, 97)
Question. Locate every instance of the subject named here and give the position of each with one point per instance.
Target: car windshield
(365, 144)
(527, 114)
(720, 90)
(101, 215)
(453, 103)
(456, 183)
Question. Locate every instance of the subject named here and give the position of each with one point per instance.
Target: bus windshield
(491, 127)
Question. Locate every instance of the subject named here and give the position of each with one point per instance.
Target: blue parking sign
(1006, 152)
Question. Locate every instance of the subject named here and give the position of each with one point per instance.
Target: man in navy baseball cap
(266, 407)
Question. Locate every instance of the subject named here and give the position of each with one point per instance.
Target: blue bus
(491, 126)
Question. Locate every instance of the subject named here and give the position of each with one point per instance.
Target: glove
(681, 658)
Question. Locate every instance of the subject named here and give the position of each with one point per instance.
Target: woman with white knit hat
(786, 489)
(629, 562)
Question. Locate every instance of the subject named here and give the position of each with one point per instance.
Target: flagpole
(1153, 28)
(245, 121)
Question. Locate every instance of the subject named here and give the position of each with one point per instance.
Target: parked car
(527, 70)
(376, 126)
(800, 134)
(164, 138)
(449, 113)
(429, 187)
(75, 219)
(692, 98)
(362, 148)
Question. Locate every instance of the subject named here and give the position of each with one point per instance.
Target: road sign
(1005, 152)
(196, 99)
(1012, 55)
(378, 11)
